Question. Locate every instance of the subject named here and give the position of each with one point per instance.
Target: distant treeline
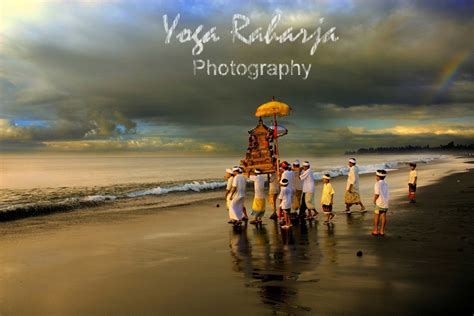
(410, 148)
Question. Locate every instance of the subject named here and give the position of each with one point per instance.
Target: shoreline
(99, 202)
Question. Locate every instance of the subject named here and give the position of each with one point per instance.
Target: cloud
(105, 126)
(394, 111)
(208, 147)
(96, 124)
(15, 11)
(101, 71)
(145, 144)
(9, 131)
(461, 130)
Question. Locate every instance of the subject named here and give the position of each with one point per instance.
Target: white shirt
(229, 183)
(412, 176)
(353, 178)
(274, 186)
(285, 197)
(298, 185)
(308, 181)
(288, 175)
(259, 186)
(381, 189)
(239, 183)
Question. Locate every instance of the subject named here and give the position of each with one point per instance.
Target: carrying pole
(275, 141)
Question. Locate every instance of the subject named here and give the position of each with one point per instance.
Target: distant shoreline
(450, 148)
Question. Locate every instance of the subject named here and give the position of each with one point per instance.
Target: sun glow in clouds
(13, 12)
(465, 130)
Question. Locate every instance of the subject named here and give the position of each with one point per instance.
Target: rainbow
(448, 74)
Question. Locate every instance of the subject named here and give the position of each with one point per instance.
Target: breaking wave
(77, 198)
(391, 165)
(45, 206)
(195, 186)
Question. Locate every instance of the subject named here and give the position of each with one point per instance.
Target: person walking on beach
(307, 200)
(412, 179)
(230, 178)
(273, 191)
(297, 186)
(237, 196)
(381, 199)
(288, 175)
(352, 196)
(285, 205)
(327, 198)
(258, 205)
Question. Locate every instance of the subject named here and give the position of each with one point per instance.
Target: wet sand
(186, 260)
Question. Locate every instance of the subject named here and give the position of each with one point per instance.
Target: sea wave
(364, 169)
(18, 211)
(195, 186)
(75, 199)
(22, 210)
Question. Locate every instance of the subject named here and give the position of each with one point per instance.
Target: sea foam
(364, 169)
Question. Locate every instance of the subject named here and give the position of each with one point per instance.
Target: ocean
(31, 184)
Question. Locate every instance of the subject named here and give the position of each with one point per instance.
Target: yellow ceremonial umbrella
(274, 108)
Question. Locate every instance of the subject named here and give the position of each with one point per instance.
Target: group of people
(292, 194)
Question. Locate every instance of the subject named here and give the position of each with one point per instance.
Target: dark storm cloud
(111, 58)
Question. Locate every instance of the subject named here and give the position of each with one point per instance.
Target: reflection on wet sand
(329, 244)
(272, 262)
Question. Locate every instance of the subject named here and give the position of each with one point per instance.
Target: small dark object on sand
(359, 253)
(217, 205)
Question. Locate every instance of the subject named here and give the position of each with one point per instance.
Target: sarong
(380, 210)
(272, 201)
(307, 203)
(296, 201)
(236, 208)
(309, 200)
(258, 207)
(351, 197)
(227, 202)
(327, 209)
(411, 191)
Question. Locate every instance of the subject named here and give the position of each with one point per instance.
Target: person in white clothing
(237, 196)
(258, 205)
(288, 175)
(352, 197)
(273, 191)
(285, 205)
(230, 179)
(307, 200)
(381, 200)
(297, 185)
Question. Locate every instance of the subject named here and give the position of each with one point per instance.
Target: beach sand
(186, 260)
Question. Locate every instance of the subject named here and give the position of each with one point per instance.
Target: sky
(98, 76)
